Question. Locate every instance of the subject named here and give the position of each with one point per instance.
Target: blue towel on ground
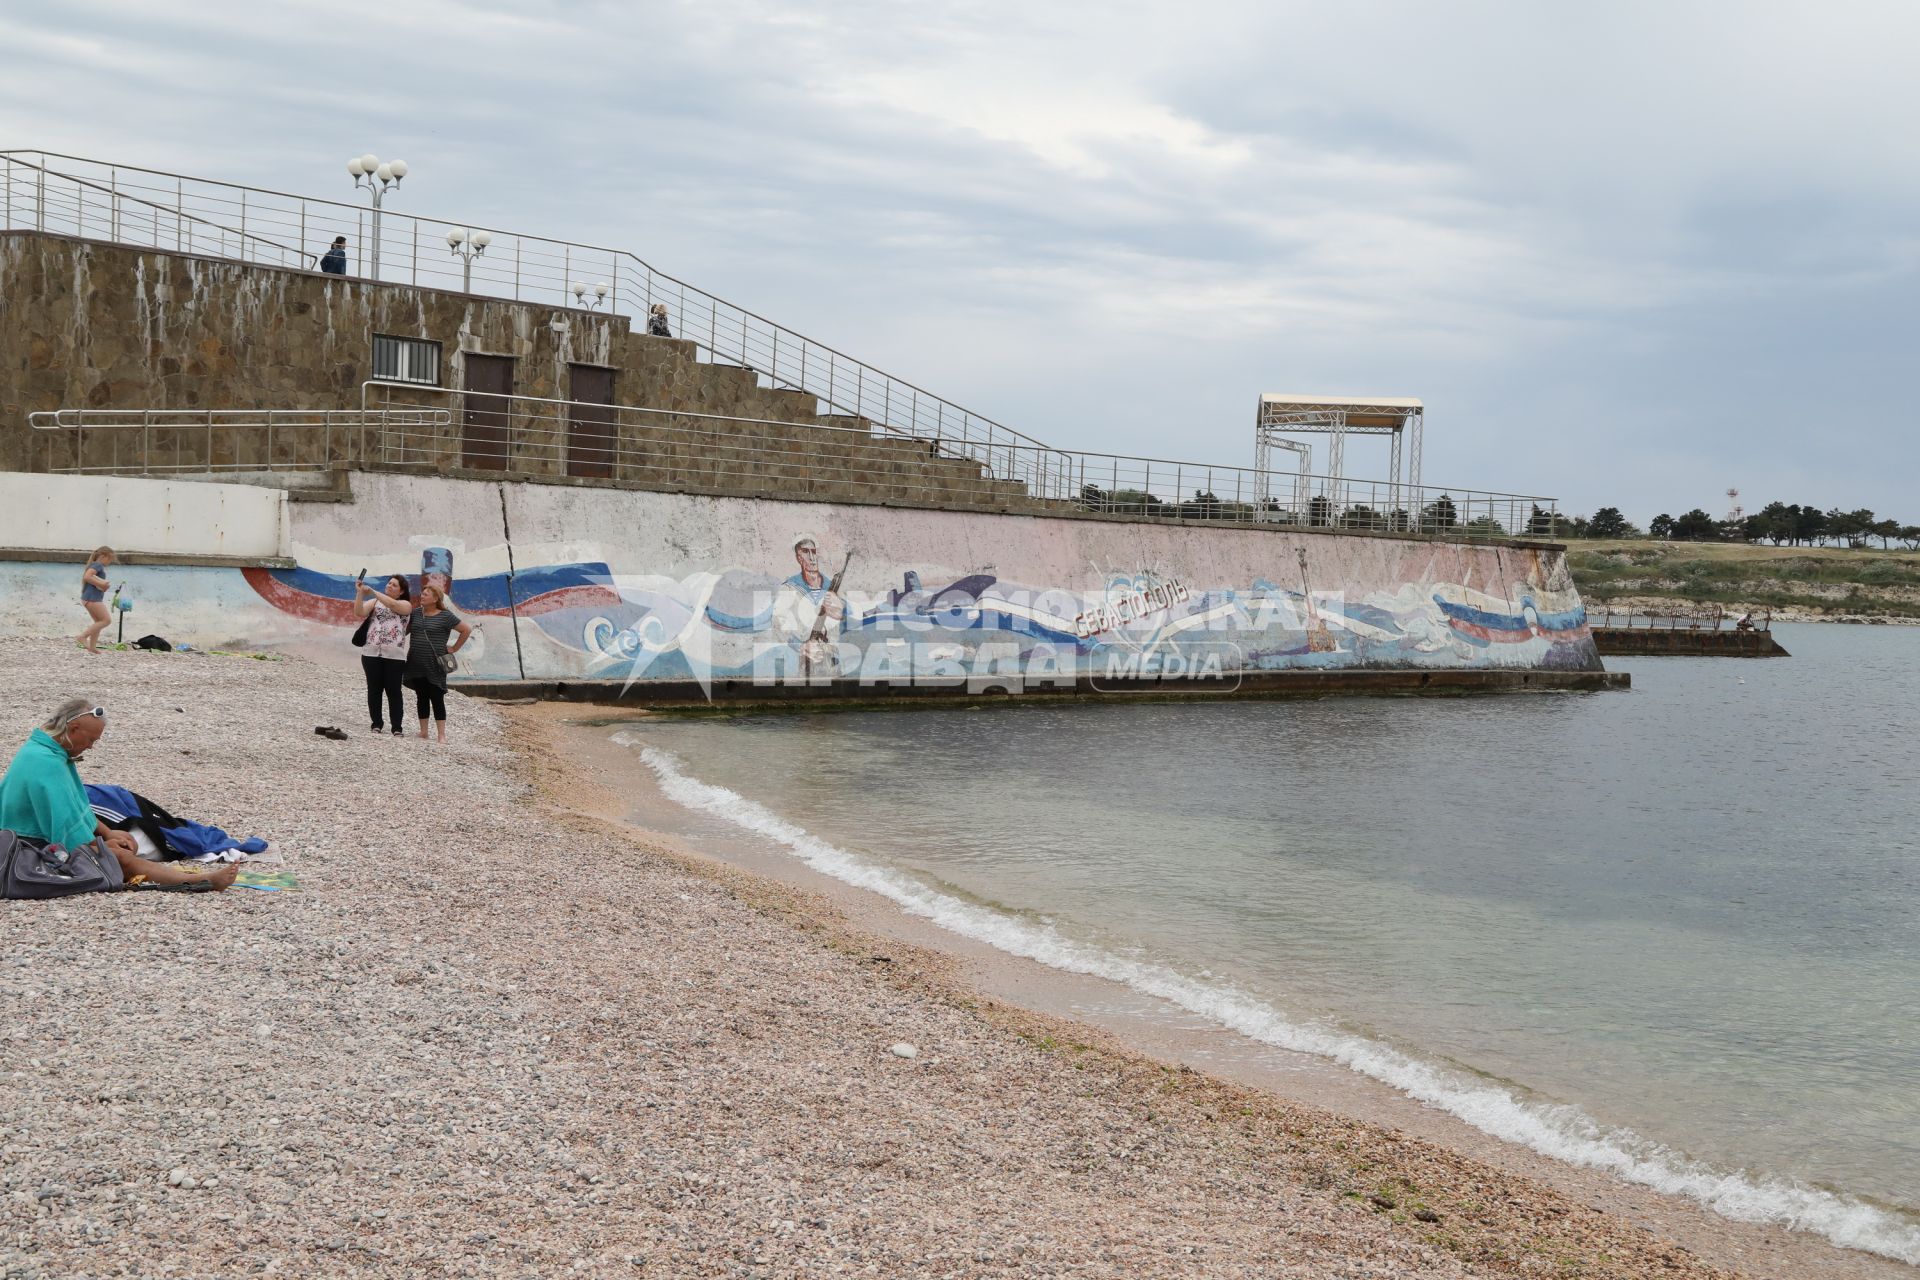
(118, 806)
(115, 804)
(196, 839)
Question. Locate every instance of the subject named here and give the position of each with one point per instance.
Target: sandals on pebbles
(329, 731)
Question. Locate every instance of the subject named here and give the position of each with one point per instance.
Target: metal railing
(72, 195)
(538, 439)
(1034, 468)
(154, 442)
(1170, 489)
(1678, 619)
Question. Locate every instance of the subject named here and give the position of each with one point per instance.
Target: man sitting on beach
(41, 797)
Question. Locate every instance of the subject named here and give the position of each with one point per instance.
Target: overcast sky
(1629, 253)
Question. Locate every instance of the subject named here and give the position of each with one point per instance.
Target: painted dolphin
(1490, 619)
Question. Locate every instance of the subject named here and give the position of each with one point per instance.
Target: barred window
(406, 360)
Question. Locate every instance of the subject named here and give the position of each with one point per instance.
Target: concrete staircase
(120, 331)
(788, 448)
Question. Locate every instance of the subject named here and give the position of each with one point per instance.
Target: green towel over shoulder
(41, 795)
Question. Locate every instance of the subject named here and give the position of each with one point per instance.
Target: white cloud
(1684, 219)
(1082, 134)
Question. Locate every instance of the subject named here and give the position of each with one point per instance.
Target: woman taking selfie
(429, 656)
(384, 656)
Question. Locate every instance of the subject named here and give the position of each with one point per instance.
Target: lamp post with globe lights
(467, 245)
(600, 291)
(377, 177)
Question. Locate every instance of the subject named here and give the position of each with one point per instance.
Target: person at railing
(1745, 623)
(93, 597)
(42, 798)
(334, 261)
(384, 656)
(430, 657)
(657, 321)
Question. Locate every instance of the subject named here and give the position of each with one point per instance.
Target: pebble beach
(494, 1034)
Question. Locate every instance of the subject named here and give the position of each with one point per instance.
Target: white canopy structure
(1281, 416)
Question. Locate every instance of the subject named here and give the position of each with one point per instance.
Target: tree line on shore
(1778, 523)
(1320, 513)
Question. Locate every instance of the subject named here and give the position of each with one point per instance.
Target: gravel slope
(491, 1039)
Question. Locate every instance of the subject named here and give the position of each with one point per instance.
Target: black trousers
(431, 697)
(383, 681)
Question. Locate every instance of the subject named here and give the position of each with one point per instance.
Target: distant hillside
(1791, 581)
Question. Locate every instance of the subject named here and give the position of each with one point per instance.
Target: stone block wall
(90, 325)
(85, 324)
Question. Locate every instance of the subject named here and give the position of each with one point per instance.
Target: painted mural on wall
(1126, 621)
(668, 587)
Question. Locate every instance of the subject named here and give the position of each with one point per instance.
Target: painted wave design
(1560, 1131)
(1490, 619)
(328, 597)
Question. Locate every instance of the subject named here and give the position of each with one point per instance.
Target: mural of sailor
(562, 615)
(810, 612)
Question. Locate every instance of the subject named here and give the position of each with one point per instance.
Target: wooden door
(486, 429)
(590, 429)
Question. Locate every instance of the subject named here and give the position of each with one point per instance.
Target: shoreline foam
(1742, 1236)
(1558, 1131)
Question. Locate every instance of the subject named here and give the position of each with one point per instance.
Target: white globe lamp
(367, 171)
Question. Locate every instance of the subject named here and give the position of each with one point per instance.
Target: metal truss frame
(1263, 468)
(1334, 420)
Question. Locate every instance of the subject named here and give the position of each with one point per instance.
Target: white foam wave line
(1562, 1132)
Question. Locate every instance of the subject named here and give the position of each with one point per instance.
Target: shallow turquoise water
(1690, 913)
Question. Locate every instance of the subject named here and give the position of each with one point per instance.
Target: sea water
(1672, 933)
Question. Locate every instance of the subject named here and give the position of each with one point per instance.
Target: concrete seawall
(680, 591)
(1687, 642)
